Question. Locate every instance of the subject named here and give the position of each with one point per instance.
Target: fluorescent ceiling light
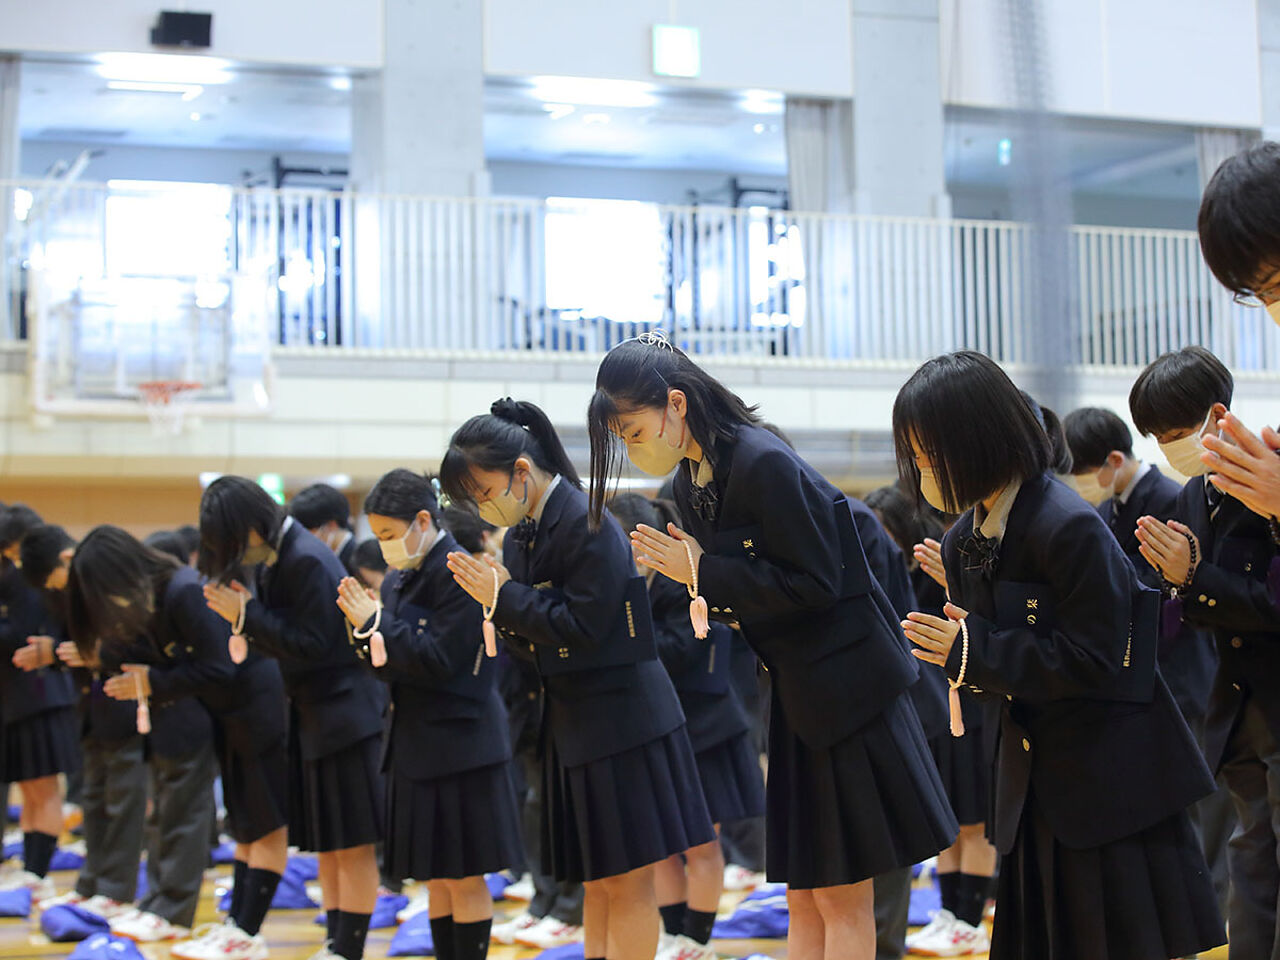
(189, 91)
(163, 68)
(585, 91)
(558, 111)
(341, 84)
(762, 101)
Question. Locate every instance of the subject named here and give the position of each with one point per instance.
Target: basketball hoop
(166, 403)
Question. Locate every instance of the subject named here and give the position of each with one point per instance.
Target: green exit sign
(676, 51)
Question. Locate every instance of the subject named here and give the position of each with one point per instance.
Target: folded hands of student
(929, 555)
(356, 602)
(125, 685)
(38, 652)
(1167, 547)
(476, 577)
(934, 636)
(666, 552)
(225, 600)
(1246, 466)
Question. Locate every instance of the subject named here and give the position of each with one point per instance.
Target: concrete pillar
(1269, 54)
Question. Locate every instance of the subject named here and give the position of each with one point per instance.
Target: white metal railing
(350, 270)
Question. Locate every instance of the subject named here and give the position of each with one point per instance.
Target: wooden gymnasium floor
(293, 935)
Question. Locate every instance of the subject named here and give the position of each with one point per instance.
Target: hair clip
(656, 338)
(442, 498)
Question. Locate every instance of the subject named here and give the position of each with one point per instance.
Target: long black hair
(495, 440)
(42, 553)
(637, 375)
(402, 494)
(973, 424)
(229, 509)
(114, 588)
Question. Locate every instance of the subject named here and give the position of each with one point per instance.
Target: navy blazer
(1188, 658)
(1230, 596)
(576, 604)
(889, 567)
(783, 558)
(295, 618)
(446, 712)
(180, 726)
(23, 614)
(1053, 631)
(699, 669)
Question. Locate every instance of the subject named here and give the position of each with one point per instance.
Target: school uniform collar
(1143, 469)
(279, 544)
(536, 514)
(993, 524)
(704, 474)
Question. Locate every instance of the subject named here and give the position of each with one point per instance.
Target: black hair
(1060, 459)
(1239, 218)
(972, 424)
(467, 528)
(15, 523)
(632, 509)
(368, 556)
(170, 544)
(905, 520)
(230, 508)
(42, 552)
(1092, 433)
(114, 588)
(401, 494)
(637, 375)
(495, 440)
(1177, 390)
(190, 538)
(316, 505)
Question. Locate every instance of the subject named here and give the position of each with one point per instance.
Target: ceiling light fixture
(587, 91)
(762, 101)
(189, 91)
(558, 111)
(341, 84)
(163, 68)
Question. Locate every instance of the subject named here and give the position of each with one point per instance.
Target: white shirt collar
(993, 524)
(536, 514)
(440, 532)
(1143, 467)
(702, 476)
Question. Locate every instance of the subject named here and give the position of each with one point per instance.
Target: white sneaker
(221, 941)
(41, 888)
(738, 879)
(414, 907)
(941, 922)
(142, 926)
(68, 899)
(325, 953)
(522, 889)
(547, 933)
(951, 937)
(505, 933)
(685, 948)
(105, 907)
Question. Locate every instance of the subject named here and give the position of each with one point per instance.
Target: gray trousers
(114, 801)
(1251, 770)
(892, 904)
(182, 816)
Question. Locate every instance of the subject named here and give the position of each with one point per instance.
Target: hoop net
(166, 403)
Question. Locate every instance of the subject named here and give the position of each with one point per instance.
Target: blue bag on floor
(384, 911)
(497, 884)
(103, 946)
(222, 854)
(292, 892)
(925, 902)
(757, 918)
(304, 867)
(413, 939)
(66, 860)
(12, 850)
(570, 951)
(140, 893)
(15, 903)
(15, 812)
(67, 922)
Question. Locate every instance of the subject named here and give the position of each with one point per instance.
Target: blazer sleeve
(1229, 601)
(886, 563)
(301, 636)
(210, 664)
(1090, 581)
(800, 563)
(678, 646)
(596, 568)
(444, 649)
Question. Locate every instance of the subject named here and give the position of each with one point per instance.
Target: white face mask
(1274, 310)
(1184, 455)
(396, 552)
(1089, 487)
(930, 490)
(505, 510)
(656, 456)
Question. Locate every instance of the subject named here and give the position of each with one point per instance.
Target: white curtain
(9, 79)
(1213, 146)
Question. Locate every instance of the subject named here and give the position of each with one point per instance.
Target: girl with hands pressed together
(772, 545)
(1094, 764)
(452, 811)
(620, 786)
(335, 786)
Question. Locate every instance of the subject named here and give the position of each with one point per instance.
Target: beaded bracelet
(953, 693)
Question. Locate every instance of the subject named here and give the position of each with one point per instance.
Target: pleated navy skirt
(336, 801)
(864, 806)
(255, 788)
(42, 745)
(1144, 897)
(622, 812)
(732, 780)
(966, 773)
(463, 825)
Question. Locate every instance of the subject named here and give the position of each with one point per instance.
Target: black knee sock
(330, 924)
(698, 924)
(673, 918)
(238, 870)
(471, 940)
(972, 898)
(349, 933)
(37, 851)
(442, 937)
(259, 890)
(949, 888)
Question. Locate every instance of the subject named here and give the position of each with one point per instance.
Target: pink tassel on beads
(238, 647)
(698, 605)
(957, 715)
(377, 649)
(144, 711)
(490, 632)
